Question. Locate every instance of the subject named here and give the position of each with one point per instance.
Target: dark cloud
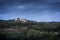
(55, 6)
(3, 2)
(32, 5)
(21, 1)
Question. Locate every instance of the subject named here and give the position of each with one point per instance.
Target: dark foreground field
(11, 30)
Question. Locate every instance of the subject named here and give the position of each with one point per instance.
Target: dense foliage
(29, 31)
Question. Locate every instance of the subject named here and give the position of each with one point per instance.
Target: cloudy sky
(37, 10)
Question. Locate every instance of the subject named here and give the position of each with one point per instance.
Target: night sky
(37, 10)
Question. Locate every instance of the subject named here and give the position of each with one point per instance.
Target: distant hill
(17, 23)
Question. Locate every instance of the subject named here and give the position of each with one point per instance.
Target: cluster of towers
(20, 19)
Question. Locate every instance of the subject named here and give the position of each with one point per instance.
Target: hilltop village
(23, 29)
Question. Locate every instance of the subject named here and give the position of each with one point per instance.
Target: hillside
(31, 30)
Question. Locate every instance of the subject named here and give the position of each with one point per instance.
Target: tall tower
(17, 19)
